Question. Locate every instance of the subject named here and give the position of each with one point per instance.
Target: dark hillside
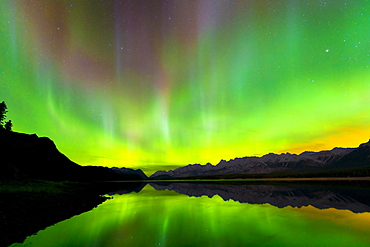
(26, 156)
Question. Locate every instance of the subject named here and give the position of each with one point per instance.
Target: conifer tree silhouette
(3, 112)
(8, 125)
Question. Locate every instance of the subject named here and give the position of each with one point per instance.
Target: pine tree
(3, 112)
(8, 125)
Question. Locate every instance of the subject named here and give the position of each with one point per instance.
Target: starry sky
(158, 84)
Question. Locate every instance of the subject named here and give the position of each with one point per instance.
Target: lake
(220, 214)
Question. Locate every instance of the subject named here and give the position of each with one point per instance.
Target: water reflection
(166, 218)
(353, 197)
(128, 188)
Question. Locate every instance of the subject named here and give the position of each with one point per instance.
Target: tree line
(4, 125)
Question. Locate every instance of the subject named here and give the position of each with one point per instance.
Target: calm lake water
(183, 214)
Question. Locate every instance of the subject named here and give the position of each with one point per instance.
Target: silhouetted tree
(3, 112)
(8, 125)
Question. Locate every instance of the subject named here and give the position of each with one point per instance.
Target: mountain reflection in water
(138, 216)
(353, 197)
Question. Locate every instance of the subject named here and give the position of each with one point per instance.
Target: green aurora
(160, 84)
(166, 218)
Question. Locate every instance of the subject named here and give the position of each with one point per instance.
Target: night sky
(156, 84)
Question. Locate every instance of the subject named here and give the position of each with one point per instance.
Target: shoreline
(311, 179)
(27, 207)
(47, 203)
(264, 179)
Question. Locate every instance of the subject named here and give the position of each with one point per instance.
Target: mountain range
(24, 156)
(286, 163)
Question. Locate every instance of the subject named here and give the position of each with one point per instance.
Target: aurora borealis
(159, 84)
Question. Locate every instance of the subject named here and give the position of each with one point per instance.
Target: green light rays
(129, 85)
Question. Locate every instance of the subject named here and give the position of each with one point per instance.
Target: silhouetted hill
(24, 156)
(358, 158)
(113, 174)
(345, 161)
